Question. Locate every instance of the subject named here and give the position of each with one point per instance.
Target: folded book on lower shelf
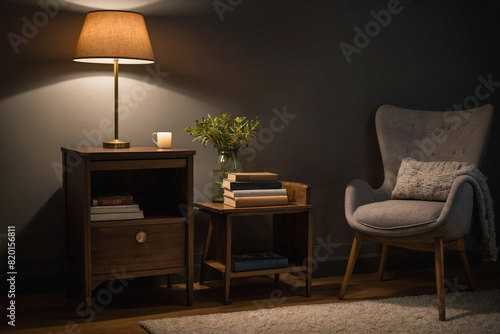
(258, 261)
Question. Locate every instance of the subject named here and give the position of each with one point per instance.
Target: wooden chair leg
(439, 257)
(465, 264)
(383, 261)
(356, 246)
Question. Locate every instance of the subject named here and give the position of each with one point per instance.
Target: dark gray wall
(281, 61)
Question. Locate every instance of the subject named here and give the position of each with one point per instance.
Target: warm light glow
(112, 4)
(110, 60)
(113, 37)
(109, 35)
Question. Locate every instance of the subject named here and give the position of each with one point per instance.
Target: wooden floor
(53, 313)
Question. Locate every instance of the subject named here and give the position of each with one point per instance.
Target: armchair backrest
(430, 136)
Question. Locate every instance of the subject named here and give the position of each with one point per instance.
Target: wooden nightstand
(292, 235)
(161, 182)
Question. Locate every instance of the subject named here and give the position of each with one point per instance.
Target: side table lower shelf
(222, 268)
(292, 237)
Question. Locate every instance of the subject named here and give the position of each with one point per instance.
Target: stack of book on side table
(114, 207)
(253, 189)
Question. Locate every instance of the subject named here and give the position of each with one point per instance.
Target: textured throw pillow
(430, 181)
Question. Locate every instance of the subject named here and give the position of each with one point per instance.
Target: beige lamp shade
(110, 35)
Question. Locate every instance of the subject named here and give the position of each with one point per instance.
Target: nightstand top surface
(142, 151)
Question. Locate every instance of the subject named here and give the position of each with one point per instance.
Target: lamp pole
(116, 143)
(115, 69)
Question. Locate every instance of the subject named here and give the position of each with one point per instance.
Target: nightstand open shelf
(161, 183)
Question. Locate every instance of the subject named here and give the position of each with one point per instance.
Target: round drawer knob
(141, 237)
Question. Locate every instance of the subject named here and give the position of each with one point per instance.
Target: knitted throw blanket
(432, 181)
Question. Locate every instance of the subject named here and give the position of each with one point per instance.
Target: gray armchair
(418, 224)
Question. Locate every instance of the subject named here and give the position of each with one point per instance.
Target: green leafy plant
(226, 133)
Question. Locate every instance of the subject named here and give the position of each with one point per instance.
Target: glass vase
(227, 161)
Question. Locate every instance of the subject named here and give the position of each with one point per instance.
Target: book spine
(240, 202)
(247, 185)
(116, 216)
(115, 208)
(257, 176)
(254, 192)
(112, 201)
(259, 264)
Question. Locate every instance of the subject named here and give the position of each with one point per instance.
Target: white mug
(164, 139)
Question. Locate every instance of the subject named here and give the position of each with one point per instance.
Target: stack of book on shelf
(253, 189)
(114, 207)
(258, 261)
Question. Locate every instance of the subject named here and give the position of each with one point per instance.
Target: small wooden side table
(292, 236)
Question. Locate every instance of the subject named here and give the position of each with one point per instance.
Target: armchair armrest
(297, 192)
(458, 211)
(359, 192)
(458, 205)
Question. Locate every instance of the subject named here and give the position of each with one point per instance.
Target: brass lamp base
(116, 143)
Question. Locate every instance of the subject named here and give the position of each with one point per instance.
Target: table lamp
(113, 37)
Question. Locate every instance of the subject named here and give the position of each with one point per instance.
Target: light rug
(466, 312)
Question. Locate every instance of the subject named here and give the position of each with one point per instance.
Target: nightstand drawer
(138, 247)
